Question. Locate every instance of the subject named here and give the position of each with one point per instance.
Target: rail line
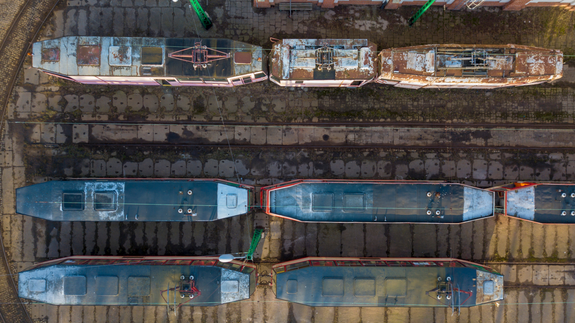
(406, 124)
(322, 147)
(28, 20)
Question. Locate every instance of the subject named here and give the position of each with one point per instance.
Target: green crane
(420, 12)
(202, 15)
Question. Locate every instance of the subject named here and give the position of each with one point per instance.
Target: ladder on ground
(420, 12)
(202, 15)
(255, 241)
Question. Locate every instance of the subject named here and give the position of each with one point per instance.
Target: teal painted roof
(384, 201)
(134, 200)
(374, 282)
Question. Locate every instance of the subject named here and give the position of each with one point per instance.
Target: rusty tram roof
(468, 66)
(188, 58)
(434, 282)
(323, 59)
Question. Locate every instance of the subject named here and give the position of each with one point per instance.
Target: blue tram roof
(128, 281)
(134, 200)
(383, 282)
(540, 202)
(377, 201)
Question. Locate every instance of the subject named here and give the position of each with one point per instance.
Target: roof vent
(324, 58)
(488, 287)
(199, 55)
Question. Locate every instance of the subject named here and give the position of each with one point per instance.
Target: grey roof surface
(389, 286)
(356, 201)
(543, 203)
(134, 284)
(133, 200)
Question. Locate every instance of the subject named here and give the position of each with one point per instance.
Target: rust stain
(122, 54)
(51, 54)
(88, 55)
(323, 59)
(468, 66)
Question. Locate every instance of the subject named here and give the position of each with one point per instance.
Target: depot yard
(45, 137)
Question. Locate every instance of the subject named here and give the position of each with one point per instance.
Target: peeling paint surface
(145, 60)
(477, 203)
(134, 200)
(468, 66)
(489, 287)
(234, 286)
(322, 61)
(129, 281)
(521, 203)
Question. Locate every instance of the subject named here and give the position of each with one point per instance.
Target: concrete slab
(80, 133)
(274, 135)
(556, 275)
(98, 168)
(114, 167)
(368, 169)
(146, 168)
(352, 169)
(162, 168)
(541, 275)
(120, 101)
(258, 135)
(463, 169)
(509, 273)
(211, 168)
(226, 169)
(167, 102)
(87, 103)
(448, 168)
(103, 104)
(151, 102)
(39, 103)
(161, 133)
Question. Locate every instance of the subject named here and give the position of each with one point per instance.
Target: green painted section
(202, 15)
(254, 244)
(420, 12)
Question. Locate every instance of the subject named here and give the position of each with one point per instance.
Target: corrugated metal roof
(386, 282)
(384, 201)
(138, 281)
(134, 200)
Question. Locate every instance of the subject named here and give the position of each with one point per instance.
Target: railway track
(316, 136)
(18, 38)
